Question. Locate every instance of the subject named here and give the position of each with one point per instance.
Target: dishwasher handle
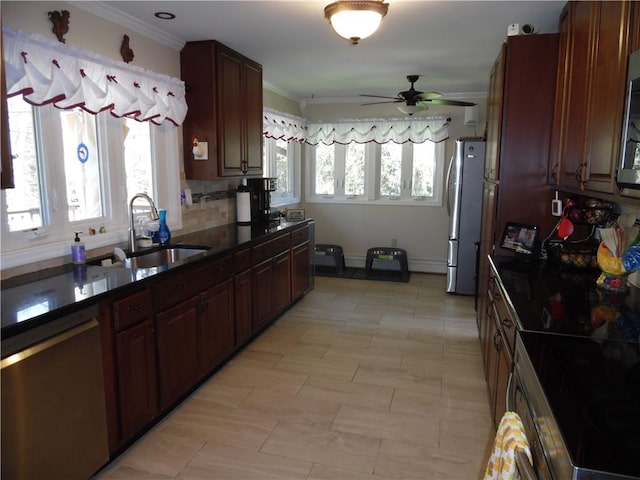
(524, 467)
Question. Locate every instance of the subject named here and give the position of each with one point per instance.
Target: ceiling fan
(415, 100)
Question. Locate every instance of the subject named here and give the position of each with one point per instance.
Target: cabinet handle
(554, 171)
(579, 171)
(497, 296)
(507, 322)
(132, 308)
(497, 340)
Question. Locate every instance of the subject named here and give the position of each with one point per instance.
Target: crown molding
(122, 19)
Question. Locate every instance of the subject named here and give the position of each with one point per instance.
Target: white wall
(421, 231)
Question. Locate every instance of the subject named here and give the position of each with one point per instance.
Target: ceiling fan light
(411, 109)
(355, 19)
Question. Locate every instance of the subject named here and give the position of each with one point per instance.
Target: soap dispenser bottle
(78, 254)
(164, 234)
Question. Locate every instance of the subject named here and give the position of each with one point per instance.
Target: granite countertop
(32, 300)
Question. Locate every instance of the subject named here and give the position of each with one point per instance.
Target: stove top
(593, 389)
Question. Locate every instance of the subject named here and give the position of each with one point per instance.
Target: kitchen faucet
(132, 230)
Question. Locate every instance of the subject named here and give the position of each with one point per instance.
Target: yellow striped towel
(509, 437)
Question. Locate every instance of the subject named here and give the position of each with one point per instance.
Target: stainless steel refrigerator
(465, 177)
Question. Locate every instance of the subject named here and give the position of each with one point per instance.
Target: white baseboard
(415, 265)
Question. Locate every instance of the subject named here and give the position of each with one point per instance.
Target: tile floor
(359, 380)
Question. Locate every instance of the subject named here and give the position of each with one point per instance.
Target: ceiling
(450, 44)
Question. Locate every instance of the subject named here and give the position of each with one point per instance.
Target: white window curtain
(417, 130)
(282, 126)
(45, 71)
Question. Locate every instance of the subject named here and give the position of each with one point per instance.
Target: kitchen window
(281, 161)
(389, 173)
(75, 172)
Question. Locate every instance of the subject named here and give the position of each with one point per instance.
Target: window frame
(373, 163)
(53, 240)
(294, 156)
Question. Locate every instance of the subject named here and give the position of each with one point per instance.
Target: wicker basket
(573, 255)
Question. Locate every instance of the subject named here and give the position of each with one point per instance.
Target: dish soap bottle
(164, 234)
(78, 254)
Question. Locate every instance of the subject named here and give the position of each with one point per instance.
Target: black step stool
(329, 256)
(387, 259)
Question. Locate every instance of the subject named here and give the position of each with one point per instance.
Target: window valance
(282, 126)
(44, 71)
(417, 130)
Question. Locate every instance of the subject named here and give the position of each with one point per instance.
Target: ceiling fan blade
(444, 101)
(382, 96)
(378, 103)
(429, 95)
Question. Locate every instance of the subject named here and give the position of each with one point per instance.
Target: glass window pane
(24, 202)
(424, 169)
(325, 169)
(81, 164)
(137, 158)
(354, 169)
(282, 171)
(391, 170)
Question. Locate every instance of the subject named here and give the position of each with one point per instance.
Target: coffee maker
(261, 189)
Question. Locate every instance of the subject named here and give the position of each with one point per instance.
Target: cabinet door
(137, 378)
(282, 282)
(494, 117)
(253, 115)
(177, 337)
(262, 285)
(608, 84)
(576, 29)
(243, 306)
(487, 234)
(300, 270)
(230, 113)
(217, 337)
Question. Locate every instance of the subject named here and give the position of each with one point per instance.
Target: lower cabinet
(161, 337)
(177, 339)
(217, 332)
(271, 286)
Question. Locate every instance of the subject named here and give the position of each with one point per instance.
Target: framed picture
(295, 214)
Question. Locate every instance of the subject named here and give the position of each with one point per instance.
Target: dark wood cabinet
(224, 94)
(161, 338)
(217, 332)
(300, 262)
(596, 39)
(177, 340)
(129, 361)
(137, 377)
(270, 280)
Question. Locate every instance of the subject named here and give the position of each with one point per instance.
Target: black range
(584, 345)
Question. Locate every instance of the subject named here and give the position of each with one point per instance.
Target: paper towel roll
(243, 207)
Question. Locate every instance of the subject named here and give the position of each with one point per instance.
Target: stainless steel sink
(163, 257)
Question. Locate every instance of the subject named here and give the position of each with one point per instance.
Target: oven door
(517, 402)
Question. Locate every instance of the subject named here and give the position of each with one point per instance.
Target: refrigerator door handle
(448, 186)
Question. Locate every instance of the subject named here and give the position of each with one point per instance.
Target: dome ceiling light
(355, 19)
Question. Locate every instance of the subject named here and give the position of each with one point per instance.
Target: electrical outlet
(556, 207)
(394, 242)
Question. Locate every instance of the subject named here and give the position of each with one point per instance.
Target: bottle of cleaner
(164, 234)
(78, 254)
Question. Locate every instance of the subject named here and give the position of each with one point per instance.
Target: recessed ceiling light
(165, 15)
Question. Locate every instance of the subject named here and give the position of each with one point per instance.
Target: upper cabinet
(595, 41)
(224, 95)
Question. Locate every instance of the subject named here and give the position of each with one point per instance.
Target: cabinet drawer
(270, 248)
(186, 284)
(242, 260)
(299, 236)
(131, 310)
(504, 316)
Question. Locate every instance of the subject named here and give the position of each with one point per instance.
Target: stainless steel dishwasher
(53, 403)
